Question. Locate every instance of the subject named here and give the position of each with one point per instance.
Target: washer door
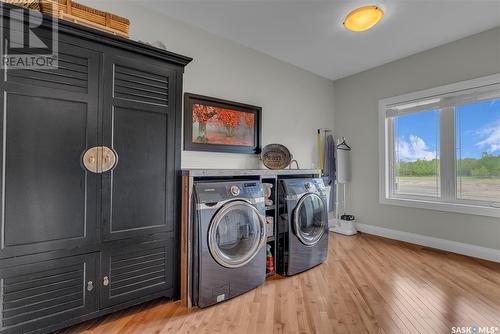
(309, 219)
(236, 234)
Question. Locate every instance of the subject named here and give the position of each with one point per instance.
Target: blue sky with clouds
(478, 130)
(418, 136)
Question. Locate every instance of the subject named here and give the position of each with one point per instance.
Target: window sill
(469, 209)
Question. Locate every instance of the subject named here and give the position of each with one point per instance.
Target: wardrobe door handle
(99, 159)
(90, 159)
(109, 159)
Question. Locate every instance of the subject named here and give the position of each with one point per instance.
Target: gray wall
(356, 117)
(294, 102)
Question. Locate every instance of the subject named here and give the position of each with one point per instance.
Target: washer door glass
(309, 219)
(236, 234)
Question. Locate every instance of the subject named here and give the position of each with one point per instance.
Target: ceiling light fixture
(363, 18)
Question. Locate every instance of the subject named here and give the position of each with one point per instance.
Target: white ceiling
(310, 35)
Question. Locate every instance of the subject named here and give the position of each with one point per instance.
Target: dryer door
(310, 219)
(236, 233)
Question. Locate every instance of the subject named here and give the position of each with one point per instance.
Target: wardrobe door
(133, 272)
(139, 119)
(49, 118)
(42, 294)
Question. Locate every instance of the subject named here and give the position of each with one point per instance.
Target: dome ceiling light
(363, 18)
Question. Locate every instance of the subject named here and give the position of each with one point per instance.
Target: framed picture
(216, 125)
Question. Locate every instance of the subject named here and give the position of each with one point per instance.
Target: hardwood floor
(367, 285)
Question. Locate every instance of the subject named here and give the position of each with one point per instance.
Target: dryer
(302, 225)
(229, 238)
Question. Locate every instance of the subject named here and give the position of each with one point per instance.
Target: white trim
(447, 201)
(383, 153)
(447, 163)
(443, 206)
(490, 254)
(446, 89)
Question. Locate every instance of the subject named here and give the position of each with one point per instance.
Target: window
(478, 150)
(440, 148)
(416, 170)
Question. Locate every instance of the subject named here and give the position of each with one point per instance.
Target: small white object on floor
(345, 227)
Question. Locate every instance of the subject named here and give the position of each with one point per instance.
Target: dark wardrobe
(90, 160)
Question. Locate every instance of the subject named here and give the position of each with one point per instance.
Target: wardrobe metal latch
(99, 159)
(105, 281)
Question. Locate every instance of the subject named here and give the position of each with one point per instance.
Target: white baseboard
(423, 240)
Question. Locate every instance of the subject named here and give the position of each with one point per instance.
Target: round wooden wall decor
(276, 156)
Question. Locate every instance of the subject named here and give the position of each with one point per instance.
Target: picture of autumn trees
(216, 125)
(213, 125)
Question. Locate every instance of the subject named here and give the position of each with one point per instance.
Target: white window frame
(447, 201)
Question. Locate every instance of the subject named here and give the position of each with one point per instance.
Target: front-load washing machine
(302, 225)
(229, 238)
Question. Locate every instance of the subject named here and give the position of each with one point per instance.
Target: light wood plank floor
(368, 285)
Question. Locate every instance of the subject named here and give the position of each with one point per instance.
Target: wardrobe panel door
(136, 271)
(49, 200)
(139, 202)
(45, 293)
(139, 125)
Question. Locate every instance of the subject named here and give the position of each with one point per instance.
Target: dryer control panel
(301, 186)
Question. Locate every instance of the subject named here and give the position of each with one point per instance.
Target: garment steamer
(344, 224)
(326, 153)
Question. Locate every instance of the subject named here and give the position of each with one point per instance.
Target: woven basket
(31, 4)
(72, 11)
(78, 13)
